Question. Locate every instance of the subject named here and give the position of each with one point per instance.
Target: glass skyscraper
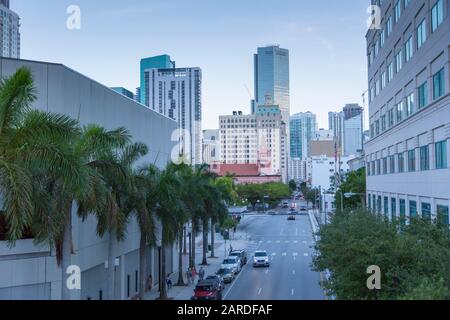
(303, 127)
(158, 62)
(272, 78)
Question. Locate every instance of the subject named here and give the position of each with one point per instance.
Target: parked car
(261, 259)
(233, 263)
(207, 290)
(291, 218)
(227, 274)
(218, 279)
(242, 254)
(303, 210)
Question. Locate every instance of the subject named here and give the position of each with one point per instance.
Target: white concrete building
(177, 94)
(251, 139)
(211, 146)
(407, 156)
(300, 170)
(28, 271)
(9, 32)
(323, 168)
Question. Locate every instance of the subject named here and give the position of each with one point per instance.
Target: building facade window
(423, 95)
(421, 33)
(392, 164)
(441, 154)
(402, 208)
(398, 62)
(424, 158)
(412, 209)
(393, 209)
(385, 165)
(438, 84)
(442, 215)
(411, 160)
(409, 49)
(437, 15)
(397, 11)
(410, 105)
(426, 211)
(386, 206)
(401, 163)
(399, 112)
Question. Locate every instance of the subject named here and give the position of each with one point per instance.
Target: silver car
(261, 259)
(233, 263)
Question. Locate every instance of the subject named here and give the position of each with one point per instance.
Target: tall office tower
(408, 154)
(336, 123)
(158, 62)
(353, 135)
(177, 93)
(303, 128)
(271, 79)
(271, 73)
(9, 31)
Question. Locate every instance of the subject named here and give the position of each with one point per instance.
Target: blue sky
(325, 39)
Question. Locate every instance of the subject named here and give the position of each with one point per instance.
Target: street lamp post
(190, 249)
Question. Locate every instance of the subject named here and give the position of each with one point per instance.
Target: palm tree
(116, 168)
(164, 200)
(29, 139)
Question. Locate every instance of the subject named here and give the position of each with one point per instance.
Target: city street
(289, 245)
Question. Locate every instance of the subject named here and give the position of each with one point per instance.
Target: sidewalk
(186, 292)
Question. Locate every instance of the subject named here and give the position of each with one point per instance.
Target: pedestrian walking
(149, 283)
(189, 276)
(201, 274)
(169, 282)
(194, 274)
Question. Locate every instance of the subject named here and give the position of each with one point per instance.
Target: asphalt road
(289, 277)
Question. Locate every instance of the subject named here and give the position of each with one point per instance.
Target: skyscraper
(271, 77)
(158, 62)
(303, 127)
(9, 32)
(176, 93)
(347, 127)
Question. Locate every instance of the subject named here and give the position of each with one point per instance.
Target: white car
(261, 259)
(233, 263)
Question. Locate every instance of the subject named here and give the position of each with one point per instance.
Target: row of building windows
(414, 161)
(409, 106)
(394, 209)
(437, 17)
(406, 53)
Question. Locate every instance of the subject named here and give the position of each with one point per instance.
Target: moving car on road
(261, 259)
(303, 210)
(242, 254)
(207, 290)
(291, 218)
(233, 263)
(227, 274)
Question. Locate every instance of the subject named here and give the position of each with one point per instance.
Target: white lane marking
(274, 254)
(292, 292)
(270, 241)
(259, 291)
(278, 241)
(267, 271)
(295, 241)
(284, 254)
(305, 254)
(261, 241)
(295, 254)
(293, 272)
